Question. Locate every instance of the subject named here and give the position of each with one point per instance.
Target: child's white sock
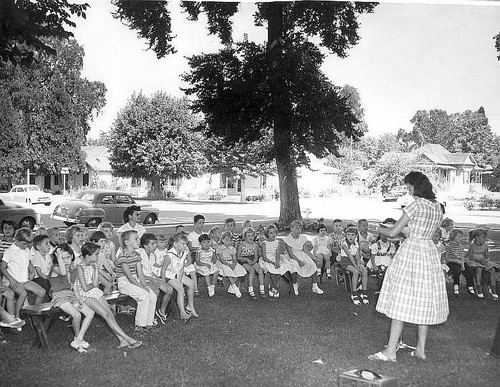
(261, 288)
(319, 272)
(328, 271)
(250, 289)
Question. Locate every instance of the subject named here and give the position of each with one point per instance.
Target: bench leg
(41, 327)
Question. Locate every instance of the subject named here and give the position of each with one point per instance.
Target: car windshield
(34, 188)
(87, 196)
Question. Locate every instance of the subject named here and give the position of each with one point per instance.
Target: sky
(411, 56)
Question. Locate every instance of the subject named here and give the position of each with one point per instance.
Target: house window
(136, 182)
(264, 181)
(56, 179)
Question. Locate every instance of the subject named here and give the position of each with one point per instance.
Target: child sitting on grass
(42, 261)
(65, 299)
(478, 259)
(87, 289)
(206, 263)
(172, 272)
(454, 259)
(132, 282)
(299, 251)
(109, 249)
(228, 264)
(350, 261)
(247, 254)
(17, 268)
(365, 241)
(272, 255)
(154, 282)
(322, 250)
(105, 266)
(229, 226)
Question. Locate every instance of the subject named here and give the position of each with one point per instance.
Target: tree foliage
(25, 24)
(467, 132)
(391, 170)
(497, 44)
(48, 105)
(247, 87)
(154, 138)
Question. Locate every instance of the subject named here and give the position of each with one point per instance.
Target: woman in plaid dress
(414, 286)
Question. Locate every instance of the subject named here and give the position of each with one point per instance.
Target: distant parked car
(27, 194)
(23, 216)
(395, 192)
(92, 207)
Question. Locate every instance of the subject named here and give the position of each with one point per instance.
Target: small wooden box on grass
(365, 378)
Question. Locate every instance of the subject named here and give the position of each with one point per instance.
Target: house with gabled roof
(459, 170)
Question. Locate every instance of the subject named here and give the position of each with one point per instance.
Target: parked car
(92, 207)
(395, 192)
(27, 194)
(23, 216)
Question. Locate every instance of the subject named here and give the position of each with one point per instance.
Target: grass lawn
(264, 342)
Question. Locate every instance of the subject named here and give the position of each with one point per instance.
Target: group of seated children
(472, 262)
(69, 276)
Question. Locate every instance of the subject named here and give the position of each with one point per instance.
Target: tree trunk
(157, 189)
(287, 170)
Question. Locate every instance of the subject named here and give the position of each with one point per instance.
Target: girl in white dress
(228, 265)
(299, 251)
(206, 263)
(273, 260)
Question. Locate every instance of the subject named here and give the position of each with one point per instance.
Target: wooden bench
(41, 318)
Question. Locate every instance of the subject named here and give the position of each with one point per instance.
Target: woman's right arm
(392, 231)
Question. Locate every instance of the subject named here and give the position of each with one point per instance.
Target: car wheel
(150, 219)
(48, 204)
(27, 222)
(94, 222)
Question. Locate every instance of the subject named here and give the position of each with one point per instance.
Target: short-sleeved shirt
(43, 262)
(176, 263)
(193, 238)
(147, 262)
(366, 242)
(18, 261)
(454, 253)
(337, 239)
(131, 260)
(4, 245)
(159, 258)
(127, 227)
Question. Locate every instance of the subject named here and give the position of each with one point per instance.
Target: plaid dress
(414, 289)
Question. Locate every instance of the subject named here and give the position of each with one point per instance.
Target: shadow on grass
(270, 342)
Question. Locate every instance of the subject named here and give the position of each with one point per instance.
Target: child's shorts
(345, 262)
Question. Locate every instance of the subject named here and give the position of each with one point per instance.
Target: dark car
(23, 216)
(93, 207)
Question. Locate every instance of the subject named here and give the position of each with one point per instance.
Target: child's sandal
(364, 298)
(355, 299)
(252, 295)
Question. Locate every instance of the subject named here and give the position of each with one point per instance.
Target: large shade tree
(24, 25)
(154, 138)
(247, 87)
(46, 107)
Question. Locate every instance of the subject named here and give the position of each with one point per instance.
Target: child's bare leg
(179, 288)
(36, 289)
(364, 278)
(232, 280)
(193, 277)
(274, 281)
(107, 284)
(355, 276)
(10, 300)
(208, 280)
(328, 264)
(251, 274)
(167, 289)
(76, 316)
(294, 277)
(319, 263)
(102, 309)
(88, 316)
(190, 295)
(214, 278)
(479, 273)
(21, 297)
(493, 280)
(260, 273)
